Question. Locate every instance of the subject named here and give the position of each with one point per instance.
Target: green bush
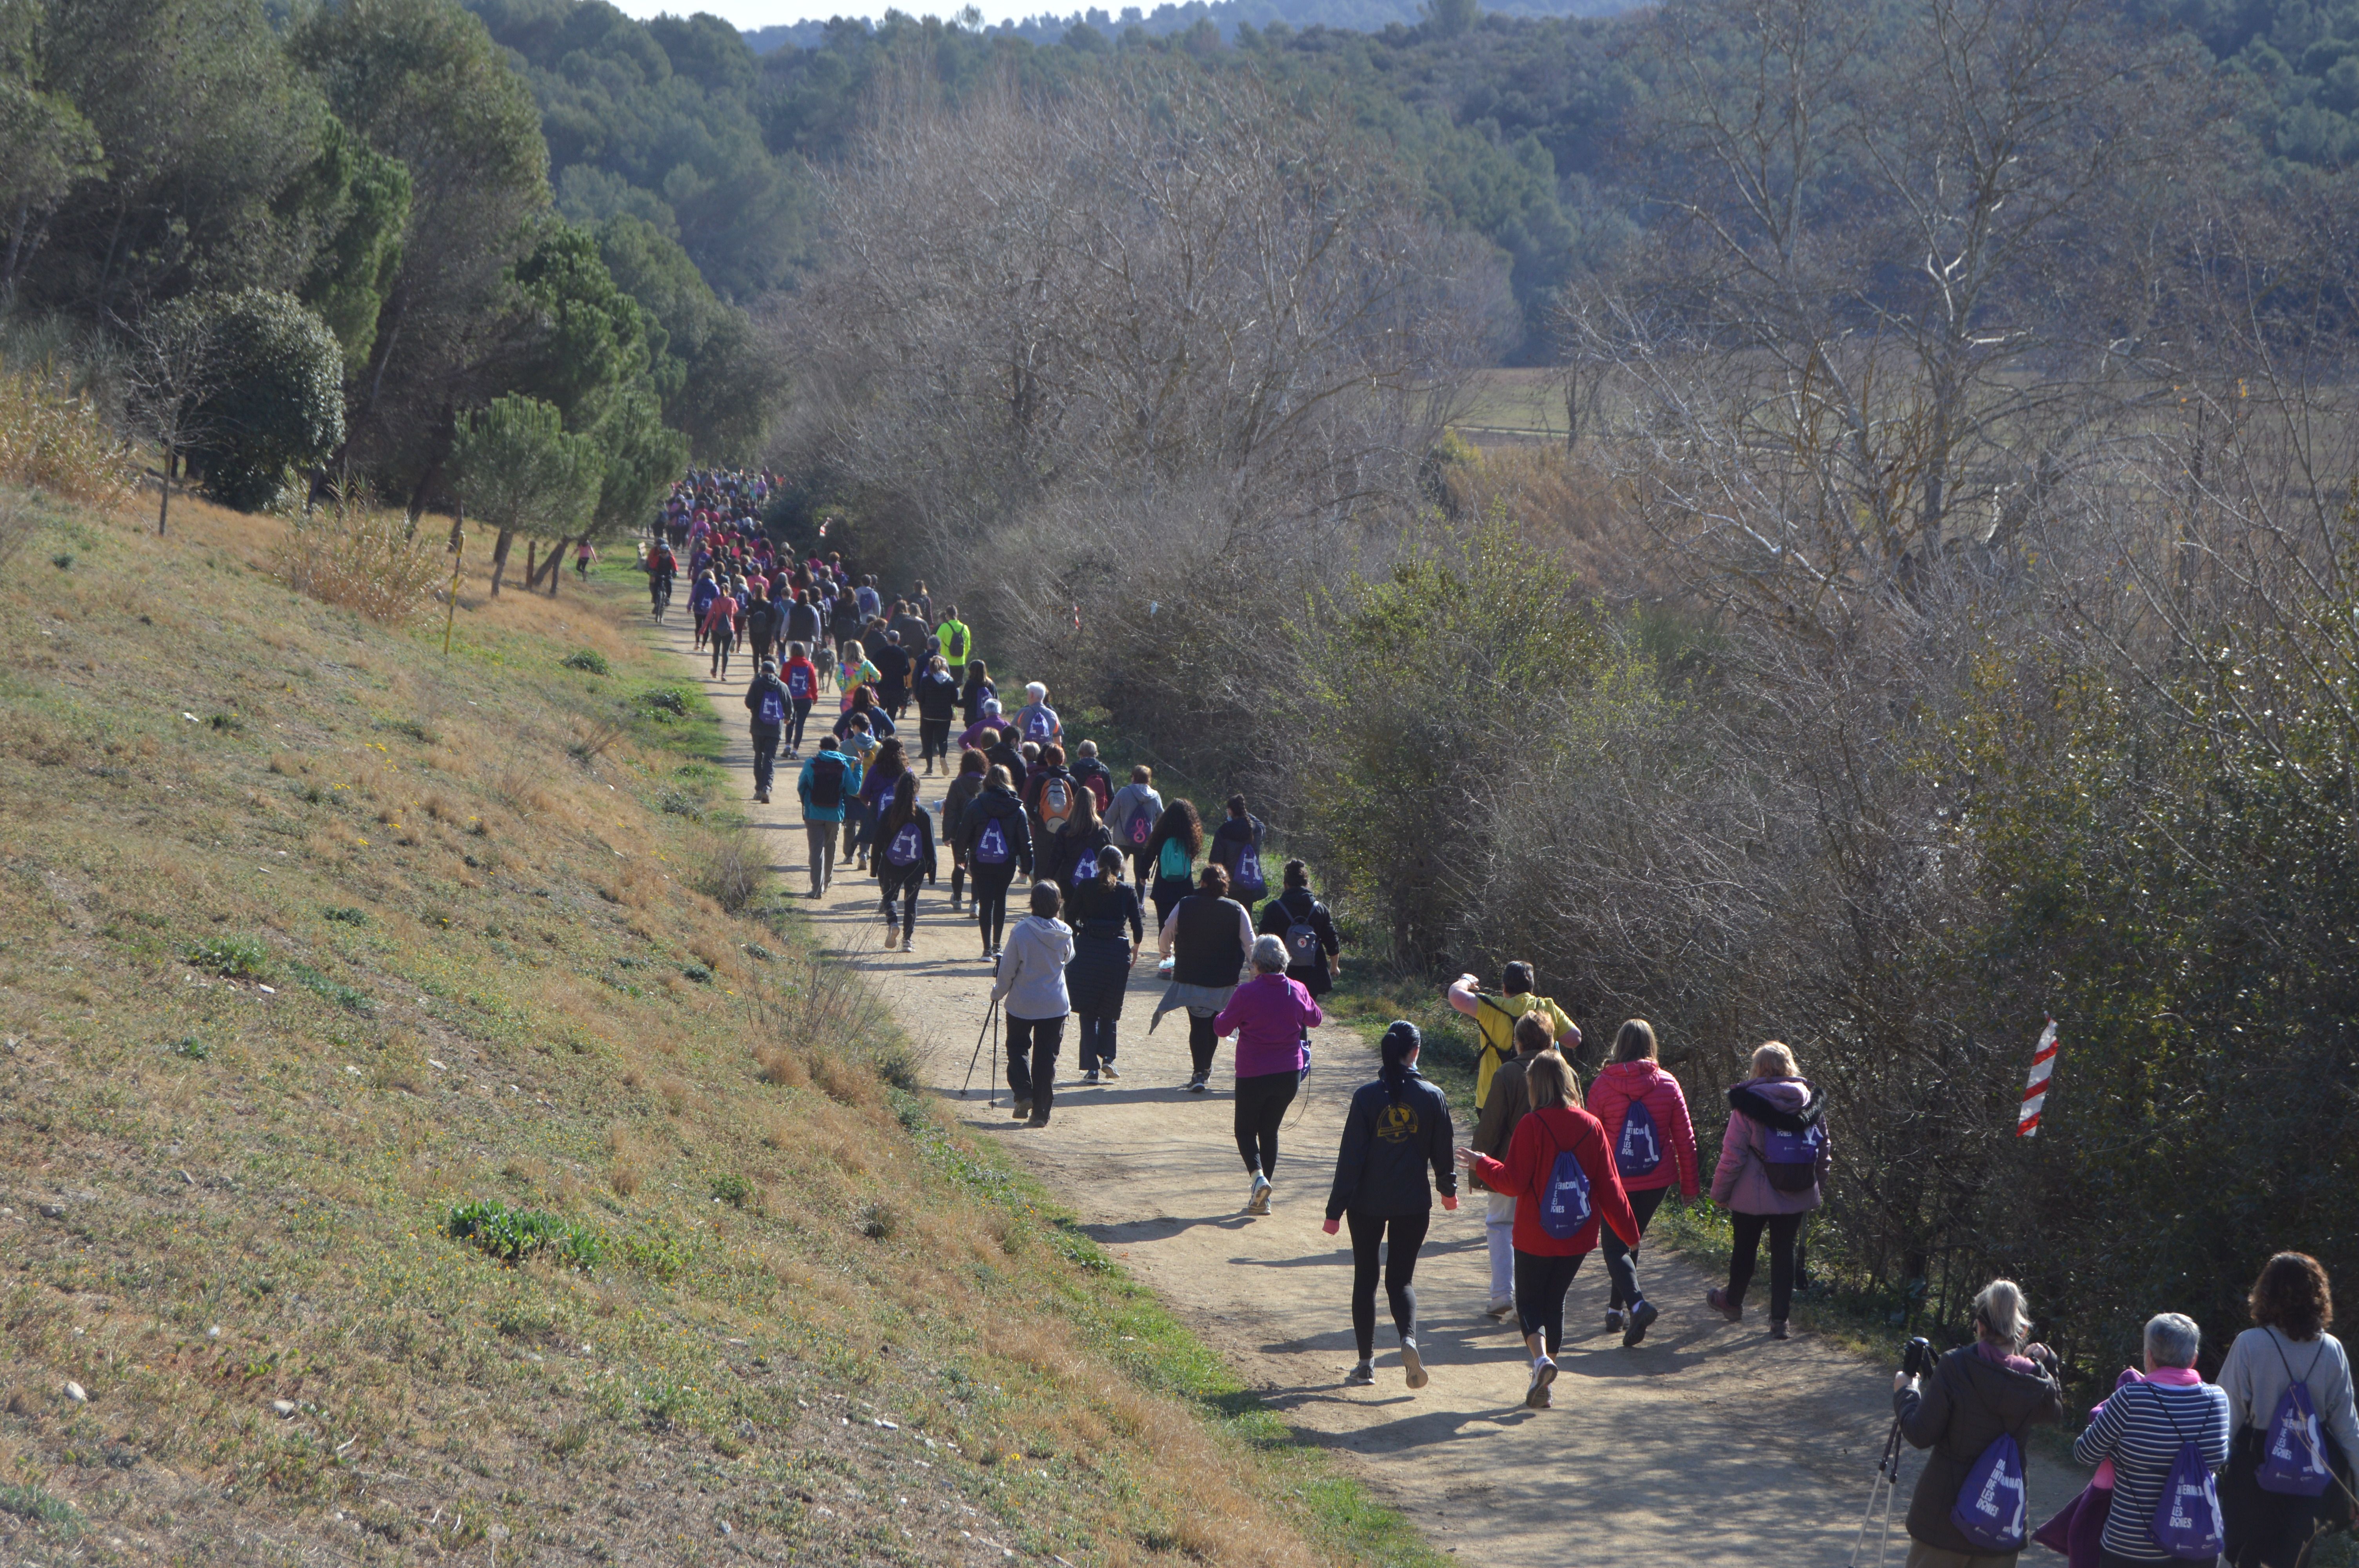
(345, 915)
(232, 957)
(34, 1504)
(513, 1235)
(733, 1190)
(278, 398)
(588, 661)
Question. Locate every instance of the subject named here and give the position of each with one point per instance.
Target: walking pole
(971, 1060)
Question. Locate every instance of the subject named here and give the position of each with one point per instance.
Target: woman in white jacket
(1031, 983)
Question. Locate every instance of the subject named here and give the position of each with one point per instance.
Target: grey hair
(2172, 1339)
(2002, 1313)
(1269, 956)
(1036, 691)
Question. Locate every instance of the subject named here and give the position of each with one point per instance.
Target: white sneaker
(1106, 1068)
(1413, 1364)
(1543, 1374)
(1500, 1306)
(1196, 1084)
(1257, 1201)
(891, 938)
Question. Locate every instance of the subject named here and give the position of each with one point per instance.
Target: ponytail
(1401, 1042)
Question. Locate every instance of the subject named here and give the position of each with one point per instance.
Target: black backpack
(827, 779)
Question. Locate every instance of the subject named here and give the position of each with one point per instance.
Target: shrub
(664, 700)
(512, 1235)
(232, 957)
(191, 1048)
(39, 1507)
(54, 442)
(346, 917)
(733, 1190)
(877, 1220)
(589, 662)
(362, 560)
(278, 403)
(731, 872)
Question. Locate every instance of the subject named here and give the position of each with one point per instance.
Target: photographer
(1973, 1395)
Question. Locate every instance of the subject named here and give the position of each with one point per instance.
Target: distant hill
(1228, 15)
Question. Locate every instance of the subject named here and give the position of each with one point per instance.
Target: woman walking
(1995, 1388)
(854, 673)
(1396, 1129)
(1108, 930)
(1172, 848)
(1071, 856)
(977, 691)
(2291, 1307)
(1559, 1174)
(2141, 1428)
(937, 708)
(997, 843)
(890, 765)
(955, 800)
(1772, 1160)
(904, 857)
(1647, 1126)
(1268, 1015)
(1031, 984)
(1206, 940)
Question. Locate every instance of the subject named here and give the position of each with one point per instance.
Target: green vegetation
(513, 1235)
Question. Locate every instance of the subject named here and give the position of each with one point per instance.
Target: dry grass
(55, 441)
(362, 560)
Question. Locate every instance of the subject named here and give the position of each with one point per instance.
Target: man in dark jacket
(767, 702)
(916, 638)
(893, 673)
(802, 621)
(1005, 756)
(1094, 773)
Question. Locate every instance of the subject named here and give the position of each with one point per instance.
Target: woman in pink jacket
(1647, 1126)
(1268, 1014)
(1772, 1158)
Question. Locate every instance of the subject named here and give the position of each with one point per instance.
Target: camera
(1917, 1359)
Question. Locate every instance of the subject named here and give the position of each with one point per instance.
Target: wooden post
(458, 555)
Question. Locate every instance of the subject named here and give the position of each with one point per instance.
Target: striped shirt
(2135, 1430)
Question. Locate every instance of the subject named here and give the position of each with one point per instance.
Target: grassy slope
(478, 966)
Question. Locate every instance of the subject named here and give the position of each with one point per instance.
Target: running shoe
(1090, 1076)
(1642, 1317)
(1257, 1201)
(1413, 1364)
(1500, 1307)
(1197, 1084)
(893, 940)
(1777, 1329)
(1543, 1374)
(1360, 1377)
(1022, 1111)
(1613, 1320)
(1107, 1068)
(1717, 1299)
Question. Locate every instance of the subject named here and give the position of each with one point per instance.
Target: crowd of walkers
(2254, 1466)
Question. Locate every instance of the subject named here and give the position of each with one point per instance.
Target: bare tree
(169, 372)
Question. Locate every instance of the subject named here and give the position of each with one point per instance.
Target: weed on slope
(423, 1132)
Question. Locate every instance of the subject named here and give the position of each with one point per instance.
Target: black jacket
(936, 697)
(996, 804)
(962, 790)
(892, 673)
(802, 624)
(1293, 904)
(1204, 950)
(1959, 1410)
(753, 697)
(1229, 843)
(1006, 756)
(1380, 1169)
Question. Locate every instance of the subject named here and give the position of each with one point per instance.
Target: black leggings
(1622, 1262)
(1261, 1106)
(1201, 1042)
(991, 902)
(1400, 1269)
(1783, 1228)
(902, 885)
(1540, 1284)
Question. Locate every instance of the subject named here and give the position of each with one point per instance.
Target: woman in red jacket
(1563, 1179)
(1647, 1126)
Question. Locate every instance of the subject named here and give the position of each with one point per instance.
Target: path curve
(1709, 1444)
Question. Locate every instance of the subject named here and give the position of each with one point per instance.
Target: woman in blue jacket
(1398, 1129)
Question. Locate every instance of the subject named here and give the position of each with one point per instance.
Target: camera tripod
(1887, 1484)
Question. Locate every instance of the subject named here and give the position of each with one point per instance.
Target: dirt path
(1707, 1444)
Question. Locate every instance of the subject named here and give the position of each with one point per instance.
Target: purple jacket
(1268, 1015)
(1742, 1183)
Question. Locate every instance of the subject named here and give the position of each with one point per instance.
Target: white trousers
(1500, 1231)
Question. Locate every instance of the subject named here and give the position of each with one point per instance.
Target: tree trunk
(557, 561)
(531, 564)
(500, 558)
(164, 500)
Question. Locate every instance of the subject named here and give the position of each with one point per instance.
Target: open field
(314, 939)
(1508, 405)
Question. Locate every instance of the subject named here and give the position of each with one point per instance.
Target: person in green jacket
(956, 642)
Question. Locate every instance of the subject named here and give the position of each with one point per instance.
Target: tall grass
(55, 441)
(362, 559)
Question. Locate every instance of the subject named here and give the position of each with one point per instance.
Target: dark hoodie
(1005, 756)
(763, 682)
(1388, 1145)
(1756, 1106)
(996, 803)
(1969, 1399)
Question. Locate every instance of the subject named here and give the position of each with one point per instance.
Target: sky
(750, 14)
